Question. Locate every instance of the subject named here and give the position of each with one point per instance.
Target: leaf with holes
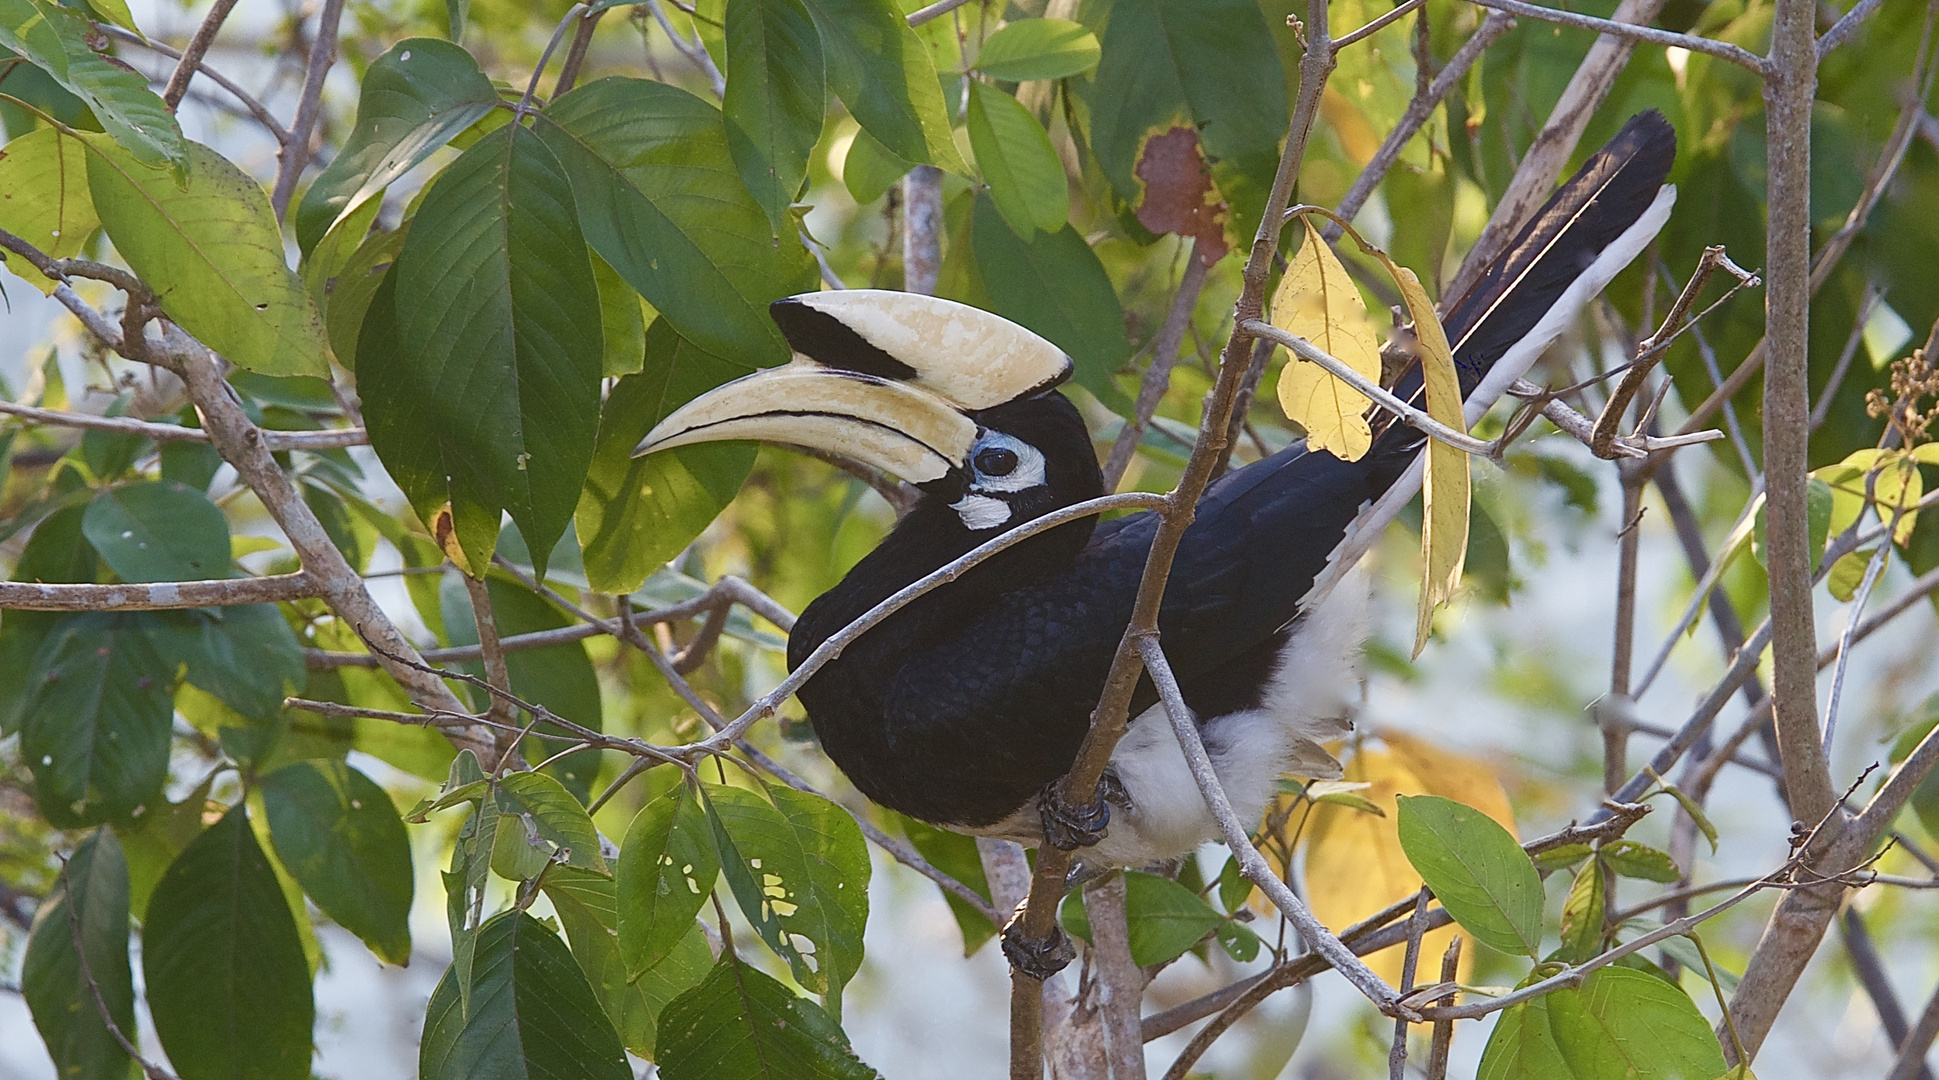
(1476, 868)
(414, 98)
(587, 909)
(742, 1025)
(89, 906)
(480, 368)
(337, 833)
(554, 817)
(212, 252)
(667, 869)
(529, 1012)
(227, 983)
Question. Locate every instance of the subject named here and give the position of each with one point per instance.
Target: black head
(1030, 457)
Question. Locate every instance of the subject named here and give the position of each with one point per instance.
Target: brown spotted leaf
(1178, 193)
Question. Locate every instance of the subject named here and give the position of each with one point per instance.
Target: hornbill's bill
(963, 706)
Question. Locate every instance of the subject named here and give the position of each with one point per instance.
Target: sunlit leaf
(1634, 860)
(1025, 176)
(1163, 918)
(1618, 1023)
(1317, 301)
(55, 38)
(1476, 869)
(47, 203)
(880, 69)
(1583, 912)
(1046, 48)
(1446, 488)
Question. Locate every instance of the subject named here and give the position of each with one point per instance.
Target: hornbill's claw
(1068, 827)
(1037, 959)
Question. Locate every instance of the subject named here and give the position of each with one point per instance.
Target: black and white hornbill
(962, 707)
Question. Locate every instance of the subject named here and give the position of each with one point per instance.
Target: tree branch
(1120, 984)
(1164, 353)
(276, 440)
(255, 108)
(160, 596)
(1723, 50)
(190, 59)
(296, 152)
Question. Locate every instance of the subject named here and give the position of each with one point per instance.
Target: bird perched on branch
(965, 707)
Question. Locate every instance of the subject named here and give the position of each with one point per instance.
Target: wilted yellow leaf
(1317, 301)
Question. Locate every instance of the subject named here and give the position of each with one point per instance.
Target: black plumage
(962, 706)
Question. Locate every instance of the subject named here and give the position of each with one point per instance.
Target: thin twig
(576, 54)
(1845, 26)
(1873, 568)
(1378, 24)
(159, 596)
(255, 108)
(1410, 962)
(332, 439)
(1866, 962)
(1157, 380)
(695, 51)
(190, 58)
(149, 1069)
(1647, 34)
(1911, 1061)
(1437, 1055)
(295, 153)
(496, 672)
(934, 11)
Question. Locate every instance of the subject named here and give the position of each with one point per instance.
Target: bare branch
(1164, 353)
(1723, 50)
(922, 232)
(695, 51)
(576, 54)
(1410, 962)
(934, 11)
(160, 596)
(1878, 986)
(255, 108)
(1437, 1056)
(496, 673)
(122, 425)
(1373, 391)
(296, 152)
(1911, 1061)
(1378, 24)
(190, 58)
(1119, 983)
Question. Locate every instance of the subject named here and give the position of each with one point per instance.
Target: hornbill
(966, 706)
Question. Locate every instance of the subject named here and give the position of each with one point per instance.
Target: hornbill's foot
(1037, 959)
(1068, 827)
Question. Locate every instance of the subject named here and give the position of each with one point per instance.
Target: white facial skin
(998, 463)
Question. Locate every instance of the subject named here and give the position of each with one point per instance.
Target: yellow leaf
(1317, 301)
(1898, 487)
(1354, 863)
(1444, 520)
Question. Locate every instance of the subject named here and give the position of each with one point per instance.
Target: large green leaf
(226, 980)
(344, 293)
(881, 70)
(1207, 65)
(530, 1013)
(661, 201)
(588, 912)
(636, 513)
(551, 813)
(89, 905)
(158, 531)
(480, 369)
(55, 39)
(337, 833)
(775, 99)
(212, 252)
(667, 870)
(1477, 871)
(1044, 48)
(247, 656)
(1055, 285)
(47, 202)
(799, 869)
(1025, 176)
(1619, 1024)
(1164, 918)
(96, 725)
(414, 98)
(742, 1025)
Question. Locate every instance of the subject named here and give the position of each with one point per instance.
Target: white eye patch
(1027, 471)
(981, 512)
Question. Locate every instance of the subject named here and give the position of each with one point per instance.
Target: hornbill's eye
(996, 461)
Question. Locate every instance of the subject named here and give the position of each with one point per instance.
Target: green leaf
(226, 980)
(1619, 1023)
(247, 656)
(1055, 285)
(414, 98)
(1561, 858)
(956, 855)
(529, 1013)
(158, 531)
(1234, 887)
(1238, 941)
(1634, 860)
(116, 11)
(56, 551)
(1848, 573)
(661, 201)
(96, 728)
(621, 322)
(775, 99)
(464, 888)
(881, 70)
(337, 833)
(1044, 48)
(799, 870)
(480, 373)
(1165, 919)
(47, 204)
(1208, 65)
(89, 904)
(1025, 176)
(636, 513)
(346, 294)
(212, 251)
(55, 39)
(1476, 869)
(1583, 914)
(869, 169)
(585, 904)
(742, 1025)
(667, 870)
(553, 815)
